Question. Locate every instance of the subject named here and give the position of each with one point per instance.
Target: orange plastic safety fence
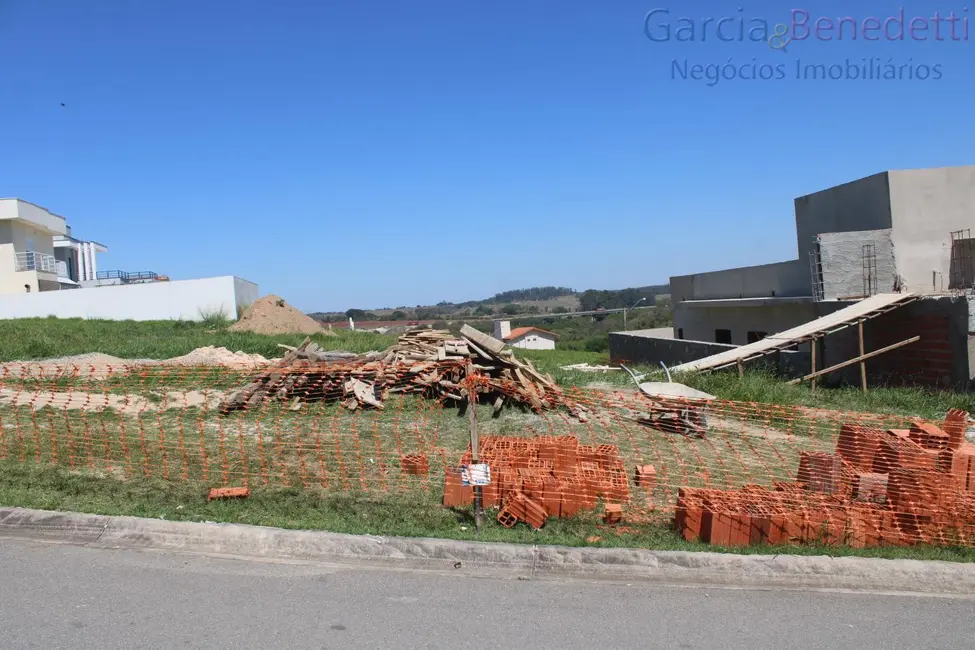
(728, 473)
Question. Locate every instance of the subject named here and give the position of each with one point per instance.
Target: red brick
(870, 487)
(955, 425)
(858, 445)
(552, 496)
(645, 476)
(228, 493)
(507, 518)
(613, 513)
(573, 497)
(415, 464)
(929, 435)
(455, 493)
(920, 491)
(535, 514)
(689, 518)
(896, 452)
(490, 495)
(961, 465)
(821, 472)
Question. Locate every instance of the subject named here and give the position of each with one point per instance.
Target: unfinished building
(901, 232)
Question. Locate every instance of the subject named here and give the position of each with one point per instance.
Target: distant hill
(533, 300)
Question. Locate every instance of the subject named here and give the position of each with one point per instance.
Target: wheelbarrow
(674, 407)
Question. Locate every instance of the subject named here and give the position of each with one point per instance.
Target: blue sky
(385, 153)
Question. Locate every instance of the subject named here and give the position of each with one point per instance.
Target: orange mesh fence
(727, 473)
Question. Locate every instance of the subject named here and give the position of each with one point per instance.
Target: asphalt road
(54, 596)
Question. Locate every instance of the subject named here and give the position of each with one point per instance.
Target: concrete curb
(479, 558)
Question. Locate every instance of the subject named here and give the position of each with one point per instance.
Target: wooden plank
(863, 363)
(813, 347)
(486, 342)
(869, 355)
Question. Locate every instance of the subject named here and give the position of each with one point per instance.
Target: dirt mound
(96, 365)
(272, 315)
(212, 356)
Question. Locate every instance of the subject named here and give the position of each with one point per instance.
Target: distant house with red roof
(529, 338)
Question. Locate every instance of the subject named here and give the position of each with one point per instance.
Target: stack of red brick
(891, 488)
(533, 479)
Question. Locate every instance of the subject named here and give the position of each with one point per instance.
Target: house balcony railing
(34, 261)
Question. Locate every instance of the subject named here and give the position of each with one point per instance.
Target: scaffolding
(816, 271)
(962, 271)
(868, 264)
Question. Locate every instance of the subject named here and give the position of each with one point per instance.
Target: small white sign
(475, 474)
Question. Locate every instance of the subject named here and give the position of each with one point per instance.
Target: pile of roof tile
(880, 488)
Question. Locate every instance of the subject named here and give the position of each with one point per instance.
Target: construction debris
(585, 367)
(433, 363)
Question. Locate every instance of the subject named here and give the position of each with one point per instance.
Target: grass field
(41, 338)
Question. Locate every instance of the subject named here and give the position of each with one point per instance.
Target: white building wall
(181, 299)
(698, 322)
(533, 342)
(927, 205)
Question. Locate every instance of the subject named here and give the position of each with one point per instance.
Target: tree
(398, 315)
(483, 310)
(510, 309)
(560, 310)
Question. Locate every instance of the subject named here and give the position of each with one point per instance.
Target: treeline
(505, 304)
(532, 293)
(594, 299)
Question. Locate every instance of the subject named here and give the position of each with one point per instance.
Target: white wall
(928, 204)
(699, 322)
(17, 209)
(247, 294)
(534, 342)
(780, 279)
(181, 299)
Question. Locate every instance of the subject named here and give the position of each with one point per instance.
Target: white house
(39, 258)
(37, 252)
(529, 338)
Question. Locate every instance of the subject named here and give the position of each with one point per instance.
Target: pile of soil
(213, 356)
(272, 315)
(96, 365)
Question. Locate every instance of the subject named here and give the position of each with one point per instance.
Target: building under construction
(904, 234)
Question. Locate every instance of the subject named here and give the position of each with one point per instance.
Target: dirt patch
(272, 315)
(76, 400)
(96, 365)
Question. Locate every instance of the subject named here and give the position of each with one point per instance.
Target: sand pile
(96, 365)
(272, 315)
(212, 356)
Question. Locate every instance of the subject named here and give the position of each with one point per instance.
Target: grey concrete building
(897, 231)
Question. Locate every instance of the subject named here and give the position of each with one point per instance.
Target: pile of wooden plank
(433, 363)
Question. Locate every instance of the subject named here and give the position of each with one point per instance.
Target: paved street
(65, 596)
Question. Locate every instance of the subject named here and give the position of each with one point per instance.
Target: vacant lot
(150, 442)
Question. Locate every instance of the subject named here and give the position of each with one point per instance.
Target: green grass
(761, 388)
(41, 338)
(768, 389)
(53, 488)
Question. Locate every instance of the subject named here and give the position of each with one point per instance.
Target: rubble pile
(433, 363)
(881, 488)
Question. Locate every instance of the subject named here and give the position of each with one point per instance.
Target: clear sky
(381, 153)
